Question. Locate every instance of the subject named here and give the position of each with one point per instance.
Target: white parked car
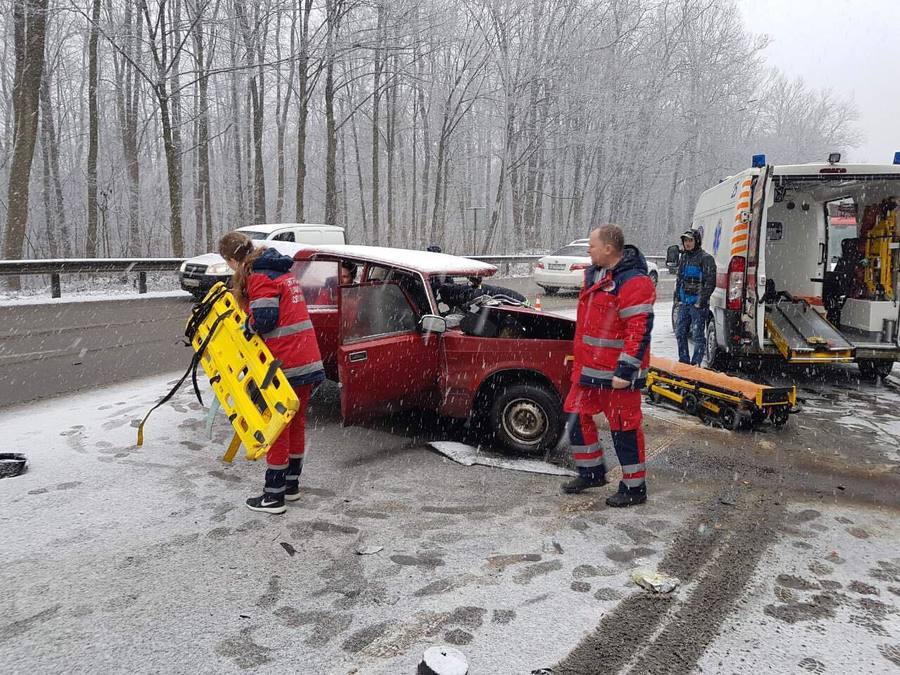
(564, 269)
(201, 273)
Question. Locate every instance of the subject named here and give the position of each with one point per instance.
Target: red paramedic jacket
(615, 320)
(278, 314)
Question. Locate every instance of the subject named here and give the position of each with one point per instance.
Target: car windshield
(576, 251)
(254, 234)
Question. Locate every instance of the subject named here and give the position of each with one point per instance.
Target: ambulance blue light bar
(897, 158)
(759, 161)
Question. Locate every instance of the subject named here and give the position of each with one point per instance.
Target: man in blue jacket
(694, 284)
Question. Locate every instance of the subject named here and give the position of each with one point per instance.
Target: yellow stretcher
(729, 401)
(246, 379)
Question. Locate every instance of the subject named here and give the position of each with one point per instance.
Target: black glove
(247, 330)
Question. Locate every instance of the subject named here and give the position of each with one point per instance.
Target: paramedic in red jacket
(612, 353)
(273, 299)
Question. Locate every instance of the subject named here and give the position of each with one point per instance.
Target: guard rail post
(142, 282)
(55, 286)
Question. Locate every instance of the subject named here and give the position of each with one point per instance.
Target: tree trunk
(30, 23)
(303, 112)
(90, 243)
(376, 132)
(61, 232)
(333, 8)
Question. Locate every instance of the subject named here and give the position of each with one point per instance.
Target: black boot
(628, 496)
(580, 484)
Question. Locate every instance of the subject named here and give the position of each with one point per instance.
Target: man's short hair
(612, 234)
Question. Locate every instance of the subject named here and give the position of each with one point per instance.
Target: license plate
(554, 266)
(193, 283)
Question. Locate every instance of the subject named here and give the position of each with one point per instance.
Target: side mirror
(672, 255)
(431, 323)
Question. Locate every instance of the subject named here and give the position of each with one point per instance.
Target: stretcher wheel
(730, 418)
(654, 396)
(780, 416)
(690, 404)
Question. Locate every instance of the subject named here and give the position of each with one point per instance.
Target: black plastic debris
(11, 464)
(443, 661)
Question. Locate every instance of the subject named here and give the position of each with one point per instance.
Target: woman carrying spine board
(273, 300)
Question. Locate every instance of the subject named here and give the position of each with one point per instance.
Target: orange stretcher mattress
(749, 390)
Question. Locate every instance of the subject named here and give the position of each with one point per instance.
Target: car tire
(716, 358)
(675, 307)
(526, 418)
(654, 277)
(550, 290)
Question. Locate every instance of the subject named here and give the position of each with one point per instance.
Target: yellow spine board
(879, 256)
(254, 394)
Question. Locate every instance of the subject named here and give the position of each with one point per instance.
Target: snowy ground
(104, 541)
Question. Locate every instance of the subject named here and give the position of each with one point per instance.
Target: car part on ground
(12, 464)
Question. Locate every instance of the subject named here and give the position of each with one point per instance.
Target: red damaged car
(414, 329)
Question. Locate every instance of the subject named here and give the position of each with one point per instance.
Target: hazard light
(897, 158)
(758, 162)
(580, 266)
(736, 267)
(539, 265)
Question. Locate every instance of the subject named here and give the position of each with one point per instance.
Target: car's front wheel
(550, 290)
(526, 418)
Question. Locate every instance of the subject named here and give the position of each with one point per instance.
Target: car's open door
(385, 363)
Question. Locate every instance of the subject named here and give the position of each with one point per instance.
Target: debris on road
(654, 581)
(12, 464)
(468, 455)
(290, 549)
(443, 661)
(368, 549)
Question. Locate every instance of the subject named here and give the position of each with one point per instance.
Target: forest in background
(150, 127)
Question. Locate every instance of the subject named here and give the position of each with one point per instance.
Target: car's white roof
(268, 228)
(422, 261)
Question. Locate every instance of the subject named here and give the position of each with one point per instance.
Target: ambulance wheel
(730, 418)
(715, 357)
(690, 404)
(527, 418)
(780, 416)
(871, 370)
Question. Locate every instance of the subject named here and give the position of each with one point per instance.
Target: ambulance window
(319, 281)
(375, 310)
(378, 273)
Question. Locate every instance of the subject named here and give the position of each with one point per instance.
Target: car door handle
(356, 357)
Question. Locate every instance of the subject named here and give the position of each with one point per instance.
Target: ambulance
(808, 264)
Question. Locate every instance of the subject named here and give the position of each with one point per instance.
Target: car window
(319, 281)
(254, 234)
(414, 287)
(284, 236)
(371, 310)
(378, 273)
(578, 251)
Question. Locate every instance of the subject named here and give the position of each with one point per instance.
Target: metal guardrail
(56, 268)
(60, 266)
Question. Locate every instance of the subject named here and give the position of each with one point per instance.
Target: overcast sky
(847, 45)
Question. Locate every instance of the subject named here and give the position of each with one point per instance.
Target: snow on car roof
(268, 228)
(420, 261)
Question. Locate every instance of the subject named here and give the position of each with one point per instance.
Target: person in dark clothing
(694, 284)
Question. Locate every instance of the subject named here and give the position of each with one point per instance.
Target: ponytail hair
(239, 247)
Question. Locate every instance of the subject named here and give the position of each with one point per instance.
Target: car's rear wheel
(526, 418)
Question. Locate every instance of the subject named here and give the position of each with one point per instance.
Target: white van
(808, 261)
(200, 273)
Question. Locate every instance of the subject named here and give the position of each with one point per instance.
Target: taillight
(736, 268)
(579, 266)
(539, 265)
